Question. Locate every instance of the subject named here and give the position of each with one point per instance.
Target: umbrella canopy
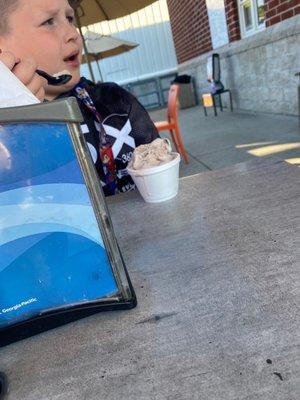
(100, 46)
(93, 11)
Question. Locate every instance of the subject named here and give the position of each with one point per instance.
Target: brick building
(258, 42)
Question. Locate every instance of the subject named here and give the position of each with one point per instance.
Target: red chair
(172, 124)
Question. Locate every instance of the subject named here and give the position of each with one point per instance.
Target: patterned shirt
(126, 122)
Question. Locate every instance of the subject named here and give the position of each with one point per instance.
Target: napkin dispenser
(59, 257)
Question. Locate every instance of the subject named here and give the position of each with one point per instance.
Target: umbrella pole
(99, 70)
(84, 47)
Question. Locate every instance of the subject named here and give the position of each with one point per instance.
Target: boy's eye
(70, 18)
(49, 21)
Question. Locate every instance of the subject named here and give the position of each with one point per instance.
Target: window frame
(256, 27)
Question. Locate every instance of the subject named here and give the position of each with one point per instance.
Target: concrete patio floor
(217, 142)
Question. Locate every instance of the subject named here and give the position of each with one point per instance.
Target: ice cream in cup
(154, 169)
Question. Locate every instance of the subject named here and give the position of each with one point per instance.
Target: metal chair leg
(230, 98)
(173, 137)
(215, 108)
(220, 100)
(180, 145)
(205, 112)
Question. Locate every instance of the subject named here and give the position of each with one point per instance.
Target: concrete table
(216, 271)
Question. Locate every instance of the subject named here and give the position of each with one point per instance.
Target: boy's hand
(25, 72)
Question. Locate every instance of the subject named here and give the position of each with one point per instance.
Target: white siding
(155, 54)
(217, 22)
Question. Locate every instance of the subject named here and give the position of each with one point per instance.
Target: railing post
(298, 74)
(160, 92)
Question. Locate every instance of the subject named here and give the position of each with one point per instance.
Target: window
(252, 16)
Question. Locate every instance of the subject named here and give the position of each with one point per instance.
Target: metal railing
(152, 92)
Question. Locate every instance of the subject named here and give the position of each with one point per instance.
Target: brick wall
(259, 69)
(190, 24)
(279, 10)
(190, 28)
(232, 19)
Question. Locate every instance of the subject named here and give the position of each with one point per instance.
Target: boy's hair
(6, 8)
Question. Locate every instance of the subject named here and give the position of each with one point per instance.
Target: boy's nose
(71, 33)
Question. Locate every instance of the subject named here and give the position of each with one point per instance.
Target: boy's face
(44, 30)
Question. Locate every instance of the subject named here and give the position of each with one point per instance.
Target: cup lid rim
(157, 168)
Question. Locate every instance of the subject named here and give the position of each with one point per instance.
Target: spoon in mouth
(55, 80)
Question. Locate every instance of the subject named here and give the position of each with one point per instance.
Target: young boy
(41, 34)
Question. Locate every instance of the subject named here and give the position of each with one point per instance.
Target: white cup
(159, 183)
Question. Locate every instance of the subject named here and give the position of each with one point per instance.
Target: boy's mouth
(72, 60)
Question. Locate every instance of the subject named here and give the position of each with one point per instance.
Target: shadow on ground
(217, 142)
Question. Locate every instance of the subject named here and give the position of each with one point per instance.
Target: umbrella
(99, 47)
(92, 11)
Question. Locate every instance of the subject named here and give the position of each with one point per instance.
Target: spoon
(55, 80)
